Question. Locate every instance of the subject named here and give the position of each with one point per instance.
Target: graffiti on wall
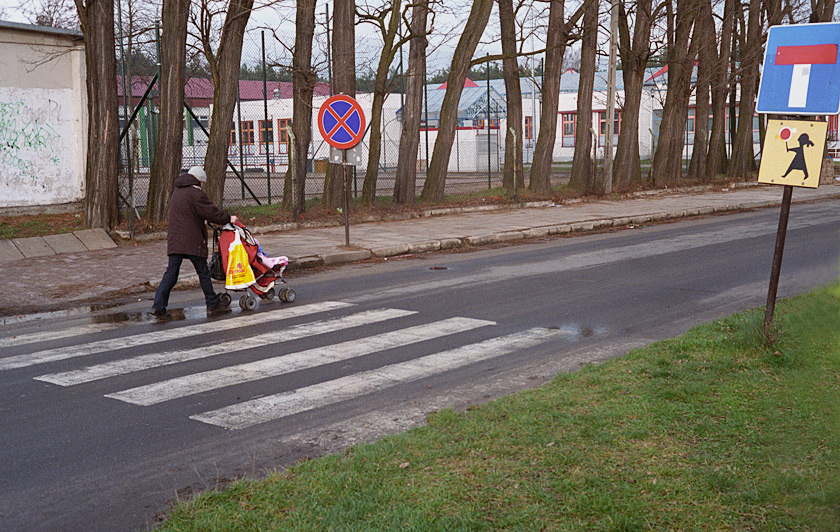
(38, 147)
(29, 140)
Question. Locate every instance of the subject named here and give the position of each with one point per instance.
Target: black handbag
(216, 271)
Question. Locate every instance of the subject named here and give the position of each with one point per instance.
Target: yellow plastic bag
(239, 272)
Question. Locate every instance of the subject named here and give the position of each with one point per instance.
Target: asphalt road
(107, 414)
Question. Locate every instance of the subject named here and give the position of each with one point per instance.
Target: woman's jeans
(170, 277)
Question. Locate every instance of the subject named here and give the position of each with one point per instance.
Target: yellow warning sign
(793, 153)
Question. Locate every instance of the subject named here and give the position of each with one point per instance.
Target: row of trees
(723, 38)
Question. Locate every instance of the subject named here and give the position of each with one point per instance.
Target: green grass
(711, 431)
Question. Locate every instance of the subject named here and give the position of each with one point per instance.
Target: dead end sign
(801, 72)
(341, 122)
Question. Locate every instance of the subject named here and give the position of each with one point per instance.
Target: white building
(43, 116)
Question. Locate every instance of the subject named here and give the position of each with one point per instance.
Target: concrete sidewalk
(38, 283)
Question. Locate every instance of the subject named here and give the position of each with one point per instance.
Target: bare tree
(433, 188)
(583, 171)
(558, 37)
(344, 82)
(666, 167)
(706, 51)
(303, 83)
(97, 22)
(224, 67)
(52, 13)
(634, 55)
(719, 90)
(388, 21)
(406, 179)
(514, 173)
(166, 164)
(752, 41)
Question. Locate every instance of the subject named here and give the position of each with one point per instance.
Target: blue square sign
(801, 74)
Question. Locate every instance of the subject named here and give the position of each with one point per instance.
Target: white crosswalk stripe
(273, 407)
(64, 353)
(70, 332)
(271, 367)
(141, 354)
(122, 367)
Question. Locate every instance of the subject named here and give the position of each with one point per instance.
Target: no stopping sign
(341, 122)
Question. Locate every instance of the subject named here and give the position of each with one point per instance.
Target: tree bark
(405, 183)
(166, 164)
(583, 171)
(743, 158)
(303, 83)
(720, 89)
(706, 55)
(380, 91)
(344, 82)
(634, 57)
(666, 167)
(540, 181)
(97, 22)
(225, 69)
(433, 188)
(514, 172)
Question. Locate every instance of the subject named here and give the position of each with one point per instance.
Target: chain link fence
(258, 151)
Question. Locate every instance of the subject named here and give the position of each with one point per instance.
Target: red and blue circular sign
(341, 122)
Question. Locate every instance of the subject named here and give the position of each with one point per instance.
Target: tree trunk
(380, 92)
(540, 181)
(344, 82)
(705, 58)
(634, 57)
(666, 168)
(406, 180)
(743, 158)
(303, 83)
(583, 174)
(720, 88)
(166, 164)
(514, 173)
(225, 67)
(433, 188)
(101, 170)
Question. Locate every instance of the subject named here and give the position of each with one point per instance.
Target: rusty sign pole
(775, 272)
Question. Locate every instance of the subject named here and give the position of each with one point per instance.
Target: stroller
(267, 270)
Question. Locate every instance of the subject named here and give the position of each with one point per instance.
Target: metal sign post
(341, 122)
(801, 76)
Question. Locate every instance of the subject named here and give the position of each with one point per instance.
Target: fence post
(266, 123)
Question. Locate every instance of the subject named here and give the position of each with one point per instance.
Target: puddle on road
(579, 331)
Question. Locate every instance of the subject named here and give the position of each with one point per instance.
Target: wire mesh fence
(259, 140)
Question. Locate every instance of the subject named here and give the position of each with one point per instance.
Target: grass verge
(713, 430)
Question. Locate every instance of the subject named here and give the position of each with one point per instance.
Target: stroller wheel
(224, 299)
(289, 296)
(268, 295)
(248, 302)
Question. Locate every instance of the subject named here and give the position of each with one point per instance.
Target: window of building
(282, 132)
(266, 135)
(529, 127)
(569, 123)
(232, 134)
(602, 120)
(247, 131)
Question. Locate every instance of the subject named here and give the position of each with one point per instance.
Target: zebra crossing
(154, 354)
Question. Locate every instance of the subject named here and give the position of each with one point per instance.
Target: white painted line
(271, 367)
(80, 330)
(64, 353)
(284, 404)
(122, 367)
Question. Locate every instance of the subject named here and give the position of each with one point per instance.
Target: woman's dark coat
(189, 208)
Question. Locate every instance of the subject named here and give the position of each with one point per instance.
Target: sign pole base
(775, 272)
(344, 178)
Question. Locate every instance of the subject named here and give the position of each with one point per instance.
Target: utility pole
(608, 136)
